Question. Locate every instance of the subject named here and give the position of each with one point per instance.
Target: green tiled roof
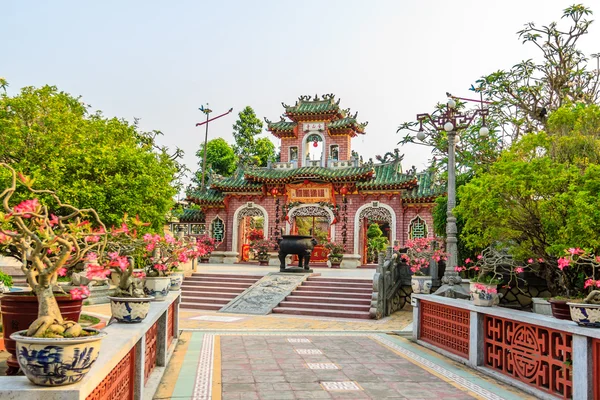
(285, 126)
(347, 122)
(426, 191)
(312, 107)
(191, 215)
(327, 174)
(237, 182)
(387, 176)
(208, 197)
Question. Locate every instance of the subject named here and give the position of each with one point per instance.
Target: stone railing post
(161, 340)
(476, 349)
(416, 319)
(377, 300)
(140, 366)
(583, 383)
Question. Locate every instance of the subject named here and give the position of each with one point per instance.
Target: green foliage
(247, 147)
(376, 242)
(91, 161)
(6, 279)
(220, 158)
(543, 195)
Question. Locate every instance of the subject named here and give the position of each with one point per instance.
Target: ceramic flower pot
(483, 302)
(421, 284)
(130, 309)
(176, 281)
(560, 309)
(157, 287)
(335, 260)
(205, 258)
(57, 361)
(585, 314)
(263, 259)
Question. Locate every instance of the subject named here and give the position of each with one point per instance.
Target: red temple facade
(319, 187)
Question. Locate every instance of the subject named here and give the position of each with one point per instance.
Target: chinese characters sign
(310, 192)
(314, 126)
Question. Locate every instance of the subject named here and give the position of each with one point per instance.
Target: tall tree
(90, 161)
(248, 147)
(220, 158)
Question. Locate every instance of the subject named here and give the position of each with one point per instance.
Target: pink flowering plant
(421, 251)
(208, 243)
(264, 246)
(49, 237)
(484, 292)
(579, 274)
(165, 253)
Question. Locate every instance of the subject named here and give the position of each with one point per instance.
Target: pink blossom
(479, 256)
(61, 271)
(85, 290)
(92, 239)
(540, 260)
(563, 262)
(139, 275)
(96, 271)
(468, 260)
(160, 267)
(588, 283)
(53, 220)
(575, 251)
(519, 270)
(476, 268)
(530, 261)
(119, 261)
(457, 269)
(479, 286)
(27, 206)
(182, 257)
(169, 239)
(147, 237)
(492, 290)
(150, 246)
(91, 257)
(76, 294)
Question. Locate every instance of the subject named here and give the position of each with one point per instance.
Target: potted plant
(419, 254)
(209, 245)
(483, 295)
(5, 282)
(262, 248)
(376, 242)
(336, 254)
(49, 243)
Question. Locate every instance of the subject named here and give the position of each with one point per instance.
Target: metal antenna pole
(204, 159)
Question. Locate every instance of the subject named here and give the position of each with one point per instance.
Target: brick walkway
(317, 365)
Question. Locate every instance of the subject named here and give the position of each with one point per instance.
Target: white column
(582, 368)
(476, 350)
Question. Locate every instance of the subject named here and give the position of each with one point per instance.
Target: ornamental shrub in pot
(48, 242)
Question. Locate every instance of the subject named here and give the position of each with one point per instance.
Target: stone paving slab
(267, 365)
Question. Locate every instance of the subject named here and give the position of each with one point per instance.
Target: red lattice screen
(537, 356)
(596, 367)
(150, 360)
(171, 324)
(118, 384)
(445, 327)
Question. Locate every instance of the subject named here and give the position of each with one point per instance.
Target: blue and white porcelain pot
(57, 361)
(158, 287)
(585, 314)
(421, 284)
(176, 281)
(130, 309)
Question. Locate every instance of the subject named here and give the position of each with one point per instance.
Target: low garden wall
(547, 357)
(131, 361)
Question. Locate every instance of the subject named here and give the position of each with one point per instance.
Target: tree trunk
(48, 307)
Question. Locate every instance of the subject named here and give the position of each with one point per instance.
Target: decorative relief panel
(537, 356)
(118, 384)
(170, 324)
(445, 327)
(250, 212)
(310, 211)
(376, 214)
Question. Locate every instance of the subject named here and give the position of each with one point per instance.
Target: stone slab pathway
(318, 365)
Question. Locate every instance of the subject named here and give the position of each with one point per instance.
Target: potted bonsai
(419, 254)
(209, 245)
(161, 256)
(336, 254)
(47, 244)
(262, 248)
(483, 295)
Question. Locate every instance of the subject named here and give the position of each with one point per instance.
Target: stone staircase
(213, 291)
(329, 297)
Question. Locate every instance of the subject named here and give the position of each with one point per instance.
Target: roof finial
(316, 97)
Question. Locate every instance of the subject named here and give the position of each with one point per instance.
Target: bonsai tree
(48, 243)
(165, 253)
(263, 247)
(376, 242)
(421, 251)
(335, 249)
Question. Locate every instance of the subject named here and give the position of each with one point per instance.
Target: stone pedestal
(274, 259)
(217, 257)
(230, 257)
(350, 261)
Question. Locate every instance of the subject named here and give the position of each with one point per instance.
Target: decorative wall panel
(445, 327)
(537, 356)
(170, 324)
(118, 384)
(150, 359)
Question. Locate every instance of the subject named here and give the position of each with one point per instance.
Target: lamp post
(451, 121)
(207, 111)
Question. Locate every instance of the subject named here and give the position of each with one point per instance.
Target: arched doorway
(313, 149)
(373, 213)
(315, 221)
(248, 220)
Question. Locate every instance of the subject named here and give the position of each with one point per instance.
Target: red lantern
(315, 144)
(274, 192)
(343, 190)
(306, 181)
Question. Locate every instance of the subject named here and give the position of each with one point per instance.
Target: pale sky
(160, 60)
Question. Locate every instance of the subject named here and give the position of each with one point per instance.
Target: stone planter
(176, 281)
(585, 314)
(421, 284)
(157, 287)
(560, 309)
(130, 309)
(205, 258)
(483, 302)
(263, 259)
(19, 310)
(335, 260)
(541, 306)
(57, 362)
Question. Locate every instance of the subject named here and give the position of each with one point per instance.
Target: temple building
(320, 187)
